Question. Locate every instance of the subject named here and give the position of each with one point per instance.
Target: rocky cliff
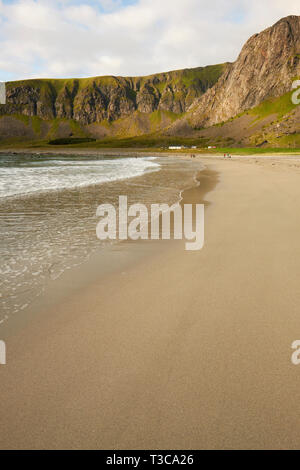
(265, 68)
(109, 98)
(244, 103)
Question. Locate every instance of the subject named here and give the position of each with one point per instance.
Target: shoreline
(181, 350)
(102, 262)
(142, 152)
(75, 187)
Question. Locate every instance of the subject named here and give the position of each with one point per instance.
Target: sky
(82, 38)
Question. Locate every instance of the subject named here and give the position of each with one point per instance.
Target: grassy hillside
(187, 77)
(100, 107)
(272, 124)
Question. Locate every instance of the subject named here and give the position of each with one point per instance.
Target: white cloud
(60, 38)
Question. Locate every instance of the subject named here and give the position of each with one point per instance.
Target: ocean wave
(52, 175)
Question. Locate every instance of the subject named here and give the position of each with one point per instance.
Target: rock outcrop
(182, 103)
(265, 68)
(109, 98)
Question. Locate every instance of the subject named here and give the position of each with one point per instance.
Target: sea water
(48, 212)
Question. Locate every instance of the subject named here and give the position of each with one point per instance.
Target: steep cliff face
(265, 68)
(247, 102)
(109, 98)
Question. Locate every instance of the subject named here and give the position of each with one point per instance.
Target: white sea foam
(50, 175)
(50, 231)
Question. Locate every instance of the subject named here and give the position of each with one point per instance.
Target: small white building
(174, 147)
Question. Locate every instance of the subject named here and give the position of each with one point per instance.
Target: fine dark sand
(176, 349)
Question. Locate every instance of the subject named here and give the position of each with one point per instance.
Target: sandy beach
(175, 349)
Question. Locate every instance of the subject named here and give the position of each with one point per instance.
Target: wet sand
(179, 349)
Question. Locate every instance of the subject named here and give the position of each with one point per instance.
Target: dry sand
(181, 350)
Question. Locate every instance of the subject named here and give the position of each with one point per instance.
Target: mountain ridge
(264, 69)
(95, 99)
(244, 101)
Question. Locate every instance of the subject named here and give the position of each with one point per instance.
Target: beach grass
(86, 144)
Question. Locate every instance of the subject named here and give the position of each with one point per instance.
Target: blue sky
(79, 38)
